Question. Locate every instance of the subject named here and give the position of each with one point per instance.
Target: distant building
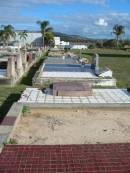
(79, 46)
(127, 47)
(59, 43)
(34, 38)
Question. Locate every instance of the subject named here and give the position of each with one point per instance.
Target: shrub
(11, 141)
(25, 110)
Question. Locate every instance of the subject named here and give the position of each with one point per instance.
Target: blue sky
(89, 18)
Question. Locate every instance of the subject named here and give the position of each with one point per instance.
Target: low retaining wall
(9, 123)
(94, 82)
(5, 81)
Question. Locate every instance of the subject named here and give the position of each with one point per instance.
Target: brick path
(109, 158)
(8, 121)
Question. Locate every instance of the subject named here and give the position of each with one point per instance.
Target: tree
(118, 30)
(49, 39)
(109, 43)
(6, 33)
(23, 36)
(45, 29)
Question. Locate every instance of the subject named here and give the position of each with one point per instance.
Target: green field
(9, 95)
(116, 60)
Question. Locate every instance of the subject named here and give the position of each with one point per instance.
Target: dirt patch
(74, 126)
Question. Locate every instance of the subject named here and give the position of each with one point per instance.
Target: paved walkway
(121, 96)
(109, 158)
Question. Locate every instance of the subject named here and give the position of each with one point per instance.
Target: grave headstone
(95, 62)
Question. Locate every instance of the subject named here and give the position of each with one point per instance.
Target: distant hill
(72, 38)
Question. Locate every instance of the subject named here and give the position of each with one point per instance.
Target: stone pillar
(11, 73)
(24, 59)
(19, 65)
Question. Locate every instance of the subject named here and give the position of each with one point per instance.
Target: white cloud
(94, 1)
(79, 23)
(84, 24)
(101, 22)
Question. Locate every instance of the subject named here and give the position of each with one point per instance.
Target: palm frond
(49, 29)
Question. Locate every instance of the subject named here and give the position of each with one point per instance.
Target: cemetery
(70, 69)
(69, 80)
(66, 112)
(64, 86)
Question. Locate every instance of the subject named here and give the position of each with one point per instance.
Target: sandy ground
(74, 126)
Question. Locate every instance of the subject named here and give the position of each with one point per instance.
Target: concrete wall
(38, 81)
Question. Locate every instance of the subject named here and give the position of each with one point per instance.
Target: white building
(58, 42)
(34, 38)
(79, 46)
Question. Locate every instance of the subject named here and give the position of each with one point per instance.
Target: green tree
(49, 39)
(23, 36)
(45, 29)
(6, 33)
(118, 30)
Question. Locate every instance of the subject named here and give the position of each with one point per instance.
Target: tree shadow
(14, 97)
(7, 105)
(27, 80)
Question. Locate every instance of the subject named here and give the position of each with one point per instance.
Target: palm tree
(23, 36)
(49, 39)
(6, 33)
(45, 29)
(118, 30)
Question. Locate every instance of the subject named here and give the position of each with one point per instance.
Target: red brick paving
(8, 121)
(109, 158)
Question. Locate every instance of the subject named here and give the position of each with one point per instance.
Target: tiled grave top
(100, 96)
(67, 68)
(67, 71)
(76, 75)
(60, 60)
(109, 158)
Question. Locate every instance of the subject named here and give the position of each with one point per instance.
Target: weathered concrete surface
(6, 130)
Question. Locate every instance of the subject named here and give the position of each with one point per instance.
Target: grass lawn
(117, 60)
(9, 95)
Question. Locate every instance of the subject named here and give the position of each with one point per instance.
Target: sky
(88, 18)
